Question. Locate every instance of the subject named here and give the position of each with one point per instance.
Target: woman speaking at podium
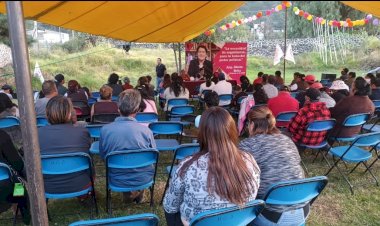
(200, 66)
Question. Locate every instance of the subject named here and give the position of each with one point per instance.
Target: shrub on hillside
(74, 45)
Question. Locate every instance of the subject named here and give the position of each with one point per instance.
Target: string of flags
(310, 17)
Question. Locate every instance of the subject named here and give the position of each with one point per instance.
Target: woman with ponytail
(220, 175)
(278, 159)
(208, 85)
(358, 102)
(176, 90)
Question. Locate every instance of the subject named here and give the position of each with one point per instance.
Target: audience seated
(113, 80)
(325, 97)
(351, 79)
(143, 80)
(344, 74)
(279, 82)
(223, 87)
(219, 175)
(10, 156)
(269, 88)
(7, 89)
(61, 137)
(49, 90)
(211, 99)
(375, 92)
(238, 92)
(299, 84)
(8, 108)
(358, 103)
(310, 80)
(150, 86)
(78, 97)
(339, 90)
(104, 105)
(125, 133)
(259, 79)
(176, 90)
(282, 103)
(147, 103)
(278, 160)
(369, 77)
(127, 84)
(259, 94)
(59, 81)
(312, 110)
(166, 82)
(208, 85)
(184, 75)
(246, 85)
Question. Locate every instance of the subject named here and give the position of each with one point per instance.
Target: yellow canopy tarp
(371, 7)
(135, 21)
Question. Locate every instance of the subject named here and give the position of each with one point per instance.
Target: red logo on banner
(232, 59)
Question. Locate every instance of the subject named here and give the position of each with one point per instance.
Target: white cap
(338, 85)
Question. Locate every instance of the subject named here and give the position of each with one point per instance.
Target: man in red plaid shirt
(311, 111)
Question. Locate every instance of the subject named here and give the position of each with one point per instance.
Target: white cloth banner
(37, 73)
(278, 54)
(289, 54)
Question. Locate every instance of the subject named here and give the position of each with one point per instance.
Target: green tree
(4, 32)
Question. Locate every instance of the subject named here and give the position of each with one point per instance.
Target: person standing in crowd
(113, 80)
(358, 103)
(375, 86)
(127, 84)
(7, 89)
(49, 90)
(279, 82)
(269, 87)
(339, 90)
(220, 175)
(59, 81)
(246, 85)
(104, 105)
(160, 72)
(113, 138)
(282, 103)
(312, 110)
(200, 66)
(223, 87)
(278, 159)
(259, 79)
(62, 137)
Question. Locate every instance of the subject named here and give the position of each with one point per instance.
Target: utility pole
(35, 185)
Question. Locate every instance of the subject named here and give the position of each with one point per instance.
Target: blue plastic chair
(238, 103)
(66, 164)
(285, 117)
(42, 121)
(104, 118)
(6, 175)
(352, 121)
(130, 159)
(145, 219)
(92, 100)
(167, 128)
(295, 192)
(177, 113)
(355, 153)
(373, 127)
(95, 94)
(146, 117)
(293, 94)
(180, 153)
(115, 98)
(320, 126)
(225, 98)
(94, 130)
(177, 102)
(9, 121)
(235, 216)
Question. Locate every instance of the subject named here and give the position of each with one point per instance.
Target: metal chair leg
(151, 196)
(354, 168)
(371, 164)
(346, 179)
(369, 170)
(109, 202)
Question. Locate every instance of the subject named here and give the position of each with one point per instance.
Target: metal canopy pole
(35, 186)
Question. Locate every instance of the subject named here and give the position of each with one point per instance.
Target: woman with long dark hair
(208, 85)
(147, 102)
(219, 175)
(259, 94)
(113, 80)
(176, 90)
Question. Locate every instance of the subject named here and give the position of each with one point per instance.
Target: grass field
(336, 205)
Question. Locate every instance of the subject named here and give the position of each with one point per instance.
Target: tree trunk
(175, 55)
(179, 57)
